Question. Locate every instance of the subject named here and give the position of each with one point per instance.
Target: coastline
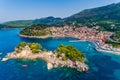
(49, 57)
(97, 46)
(100, 49)
(42, 37)
(78, 41)
(45, 37)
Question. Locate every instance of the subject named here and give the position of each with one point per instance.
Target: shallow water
(103, 66)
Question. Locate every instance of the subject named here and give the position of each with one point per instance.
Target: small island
(63, 56)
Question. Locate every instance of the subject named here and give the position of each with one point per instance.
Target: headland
(101, 39)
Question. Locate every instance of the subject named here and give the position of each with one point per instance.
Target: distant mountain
(106, 12)
(24, 23)
(107, 16)
(18, 23)
(3, 26)
(47, 20)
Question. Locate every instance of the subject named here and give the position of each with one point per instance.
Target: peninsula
(101, 39)
(63, 56)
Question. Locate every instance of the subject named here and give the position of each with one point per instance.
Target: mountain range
(106, 16)
(24, 23)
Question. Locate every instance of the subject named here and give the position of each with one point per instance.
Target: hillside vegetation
(65, 52)
(35, 47)
(69, 52)
(3, 26)
(25, 23)
(19, 23)
(36, 30)
(106, 17)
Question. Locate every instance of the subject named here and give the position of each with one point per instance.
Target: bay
(103, 66)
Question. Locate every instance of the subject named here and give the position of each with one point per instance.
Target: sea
(102, 66)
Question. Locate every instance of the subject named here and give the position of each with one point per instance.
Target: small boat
(24, 65)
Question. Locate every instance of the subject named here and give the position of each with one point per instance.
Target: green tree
(22, 44)
(35, 46)
(69, 52)
(35, 51)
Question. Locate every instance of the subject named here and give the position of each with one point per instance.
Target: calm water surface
(103, 66)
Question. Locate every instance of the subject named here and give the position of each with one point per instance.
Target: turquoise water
(103, 66)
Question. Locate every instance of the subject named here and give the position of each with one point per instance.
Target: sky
(34, 9)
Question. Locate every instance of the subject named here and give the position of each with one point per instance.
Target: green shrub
(69, 52)
(22, 44)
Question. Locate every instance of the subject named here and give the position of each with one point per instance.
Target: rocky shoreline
(97, 46)
(43, 37)
(107, 50)
(83, 34)
(51, 59)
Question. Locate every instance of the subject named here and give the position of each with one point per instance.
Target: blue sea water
(103, 66)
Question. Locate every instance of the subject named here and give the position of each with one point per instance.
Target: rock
(49, 66)
(4, 59)
(52, 60)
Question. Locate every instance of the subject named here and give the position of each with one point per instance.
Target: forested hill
(47, 20)
(107, 17)
(25, 23)
(105, 12)
(3, 26)
(18, 23)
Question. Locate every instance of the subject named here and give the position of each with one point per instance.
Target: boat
(24, 65)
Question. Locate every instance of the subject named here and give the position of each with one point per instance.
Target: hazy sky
(32, 9)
